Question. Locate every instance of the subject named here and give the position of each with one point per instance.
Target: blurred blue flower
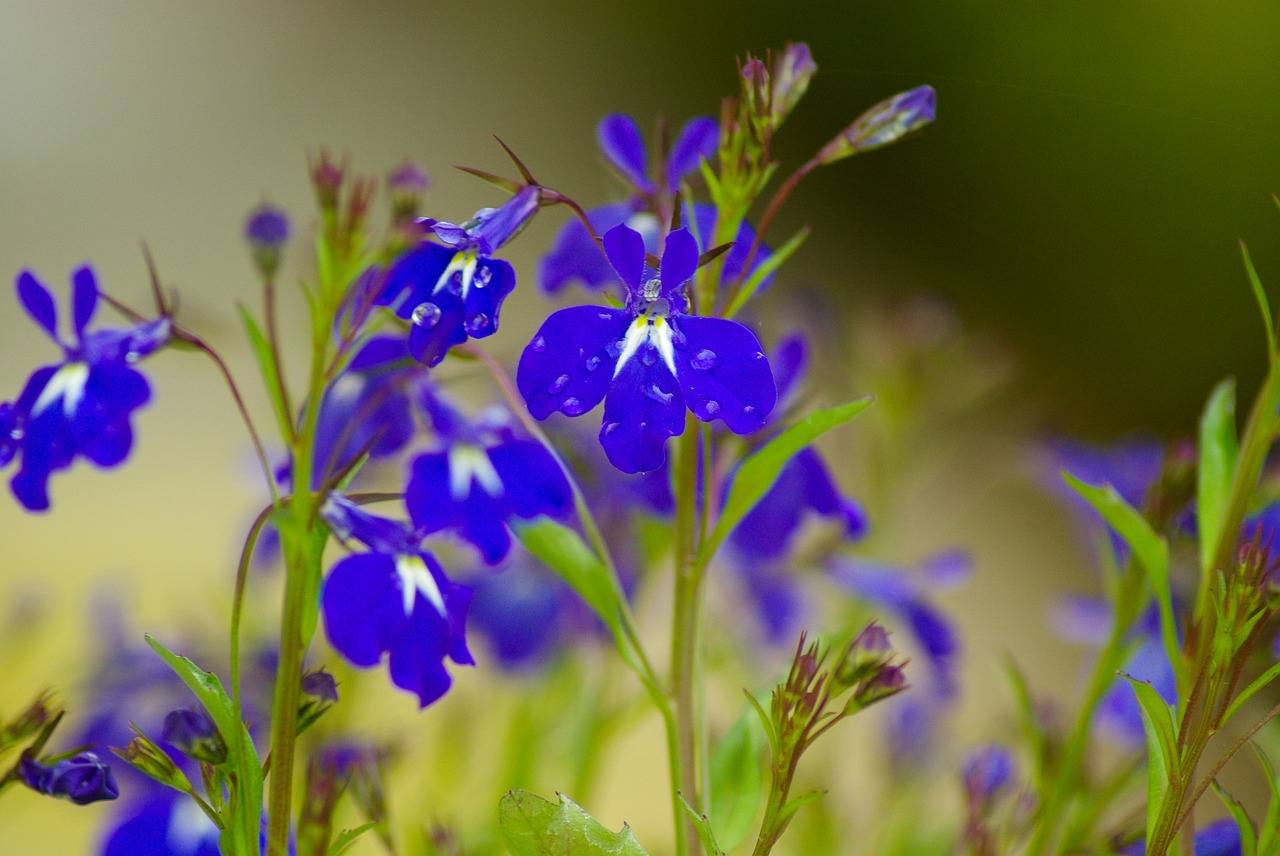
(1131, 466)
(482, 476)
(167, 823)
(1219, 838)
(987, 771)
(393, 600)
(453, 290)
(647, 362)
(81, 406)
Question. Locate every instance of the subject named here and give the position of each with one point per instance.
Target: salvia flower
(394, 600)
(82, 778)
(482, 476)
(648, 361)
(81, 406)
(453, 290)
(885, 123)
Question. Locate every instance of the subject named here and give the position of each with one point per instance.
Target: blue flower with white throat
(81, 406)
(453, 290)
(394, 600)
(648, 361)
(481, 476)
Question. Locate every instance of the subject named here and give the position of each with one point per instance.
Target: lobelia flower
(393, 600)
(82, 778)
(481, 477)
(575, 256)
(166, 824)
(1217, 838)
(453, 290)
(649, 361)
(81, 406)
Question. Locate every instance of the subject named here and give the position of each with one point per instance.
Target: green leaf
(792, 806)
(1219, 449)
(1269, 841)
(564, 551)
(1248, 836)
(737, 778)
(703, 826)
(1028, 719)
(1162, 748)
(1152, 552)
(1260, 294)
(343, 841)
(764, 269)
(532, 826)
(758, 472)
(270, 371)
(241, 833)
(1261, 681)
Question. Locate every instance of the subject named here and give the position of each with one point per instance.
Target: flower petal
(438, 498)
(569, 363)
(534, 481)
(38, 302)
(412, 279)
(679, 263)
(575, 255)
(642, 409)
(698, 140)
(482, 300)
(620, 140)
(84, 298)
(790, 360)
(723, 372)
(417, 656)
(625, 248)
(363, 607)
(100, 425)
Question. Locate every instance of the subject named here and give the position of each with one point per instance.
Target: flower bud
(267, 231)
(885, 123)
(326, 179)
(407, 184)
(987, 772)
(193, 733)
(320, 685)
(887, 681)
(866, 654)
(82, 778)
(792, 71)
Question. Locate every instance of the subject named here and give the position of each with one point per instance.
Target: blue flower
(1219, 838)
(454, 290)
(987, 771)
(82, 778)
(166, 824)
(648, 361)
(82, 405)
(394, 600)
(481, 477)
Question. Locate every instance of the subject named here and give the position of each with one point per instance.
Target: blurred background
(1076, 206)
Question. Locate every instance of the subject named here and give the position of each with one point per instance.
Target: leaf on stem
(703, 826)
(737, 778)
(1248, 835)
(1219, 449)
(532, 826)
(1162, 748)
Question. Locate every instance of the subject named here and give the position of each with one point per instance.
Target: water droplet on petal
(18, 434)
(476, 323)
(614, 348)
(704, 359)
(609, 428)
(750, 410)
(454, 283)
(572, 406)
(538, 345)
(655, 392)
(710, 408)
(592, 363)
(557, 386)
(426, 315)
(482, 277)
(758, 355)
(132, 356)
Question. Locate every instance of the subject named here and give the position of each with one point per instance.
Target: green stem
(684, 625)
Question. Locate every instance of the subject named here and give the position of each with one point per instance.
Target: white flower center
(464, 265)
(414, 578)
(470, 464)
(67, 383)
(648, 331)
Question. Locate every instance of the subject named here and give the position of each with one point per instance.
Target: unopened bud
(885, 123)
(792, 71)
(267, 231)
(326, 179)
(407, 185)
(193, 733)
(987, 772)
(886, 682)
(864, 656)
(82, 778)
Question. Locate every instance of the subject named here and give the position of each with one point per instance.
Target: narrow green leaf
(1264, 307)
(1248, 836)
(532, 826)
(1024, 703)
(1162, 751)
(1219, 449)
(270, 371)
(1152, 552)
(737, 778)
(792, 806)
(703, 826)
(343, 841)
(1269, 840)
(1261, 681)
(764, 269)
(564, 551)
(758, 472)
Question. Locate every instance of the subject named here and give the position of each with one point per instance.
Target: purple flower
(192, 732)
(885, 123)
(480, 478)
(81, 406)
(453, 290)
(647, 362)
(393, 600)
(987, 771)
(619, 138)
(267, 228)
(82, 778)
(1219, 838)
(525, 612)
(167, 824)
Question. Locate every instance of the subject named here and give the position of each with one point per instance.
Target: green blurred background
(1078, 199)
